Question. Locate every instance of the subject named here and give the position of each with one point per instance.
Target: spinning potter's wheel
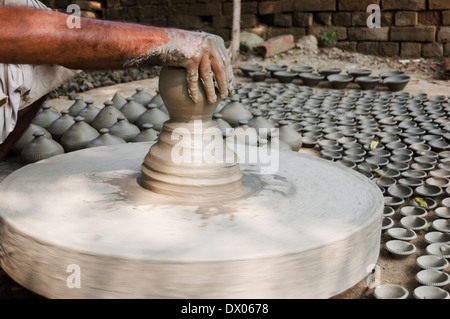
(144, 220)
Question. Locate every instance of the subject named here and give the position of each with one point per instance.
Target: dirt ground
(426, 77)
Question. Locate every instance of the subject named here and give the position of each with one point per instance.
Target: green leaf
(287, 101)
(428, 226)
(374, 144)
(421, 202)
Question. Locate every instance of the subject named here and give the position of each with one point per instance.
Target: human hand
(204, 57)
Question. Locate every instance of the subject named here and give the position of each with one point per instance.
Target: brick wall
(409, 28)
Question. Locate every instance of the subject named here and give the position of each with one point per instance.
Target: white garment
(22, 85)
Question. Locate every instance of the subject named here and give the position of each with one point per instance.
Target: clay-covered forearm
(30, 36)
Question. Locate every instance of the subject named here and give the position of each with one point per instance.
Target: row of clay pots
(394, 80)
(52, 133)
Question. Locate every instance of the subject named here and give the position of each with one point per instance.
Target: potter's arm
(30, 36)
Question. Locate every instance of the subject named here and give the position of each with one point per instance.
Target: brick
(205, 9)
(249, 21)
(315, 5)
(355, 5)
(272, 7)
(438, 4)
(318, 31)
(390, 49)
(447, 49)
(302, 19)
(347, 45)
(128, 2)
(410, 49)
(360, 18)
(367, 47)
(406, 18)
(446, 17)
(283, 20)
(368, 34)
(111, 3)
(413, 34)
(432, 50)
(296, 32)
(115, 13)
(342, 19)
(430, 17)
(222, 21)
(444, 34)
(275, 45)
(412, 5)
(184, 22)
(324, 18)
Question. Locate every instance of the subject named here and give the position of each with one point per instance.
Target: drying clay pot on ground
(77, 106)
(78, 135)
(132, 110)
(105, 139)
(118, 100)
(58, 127)
(141, 97)
(40, 148)
(390, 291)
(89, 112)
(45, 116)
(107, 116)
(27, 137)
(124, 129)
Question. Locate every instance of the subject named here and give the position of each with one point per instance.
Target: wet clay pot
(148, 134)
(118, 100)
(223, 125)
(234, 112)
(107, 116)
(124, 129)
(157, 99)
(153, 115)
(141, 96)
(27, 137)
(46, 116)
(77, 106)
(58, 127)
(89, 112)
(132, 110)
(105, 139)
(261, 124)
(78, 135)
(289, 136)
(41, 147)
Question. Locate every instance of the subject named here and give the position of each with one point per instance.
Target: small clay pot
(433, 277)
(432, 262)
(396, 83)
(391, 73)
(430, 292)
(399, 248)
(45, 116)
(400, 233)
(328, 71)
(390, 291)
(275, 68)
(132, 110)
(235, 111)
(107, 116)
(40, 148)
(258, 76)
(311, 79)
(78, 135)
(367, 82)
(77, 106)
(339, 81)
(105, 139)
(124, 129)
(414, 222)
(285, 76)
(59, 126)
(302, 69)
(413, 211)
(141, 97)
(27, 137)
(147, 134)
(357, 73)
(153, 115)
(118, 100)
(437, 237)
(89, 112)
(247, 68)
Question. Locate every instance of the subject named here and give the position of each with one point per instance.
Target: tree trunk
(236, 30)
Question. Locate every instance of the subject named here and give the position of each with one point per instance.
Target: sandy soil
(426, 76)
